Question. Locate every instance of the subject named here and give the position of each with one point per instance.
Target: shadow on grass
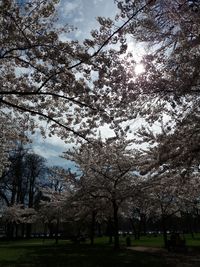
(82, 255)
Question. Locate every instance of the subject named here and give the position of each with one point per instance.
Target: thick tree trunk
(144, 222)
(16, 231)
(110, 231)
(99, 229)
(116, 225)
(23, 230)
(10, 231)
(135, 232)
(164, 231)
(28, 230)
(57, 230)
(92, 230)
(110, 241)
(50, 226)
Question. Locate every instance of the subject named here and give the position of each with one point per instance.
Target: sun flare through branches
(139, 69)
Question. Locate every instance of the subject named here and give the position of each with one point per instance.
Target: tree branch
(49, 94)
(101, 47)
(111, 36)
(46, 117)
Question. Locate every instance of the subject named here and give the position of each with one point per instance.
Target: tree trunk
(16, 231)
(50, 226)
(99, 229)
(116, 225)
(92, 230)
(164, 231)
(144, 221)
(57, 230)
(23, 229)
(10, 231)
(110, 231)
(28, 230)
(135, 232)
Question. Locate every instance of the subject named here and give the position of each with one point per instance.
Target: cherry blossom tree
(171, 169)
(19, 185)
(87, 209)
(16, 215)
(164, 25)
(108, 173)
(33, 73)
(56, 202)
(13, 131)
(38, 80)
(171, 77)
(138, 210)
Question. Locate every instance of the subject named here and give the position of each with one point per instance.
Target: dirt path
(173, 259)
(148, 249)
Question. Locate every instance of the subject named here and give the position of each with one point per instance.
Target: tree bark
(116, 225)
(57, 230)
(92, 230)
(164, 230)
(28, 230)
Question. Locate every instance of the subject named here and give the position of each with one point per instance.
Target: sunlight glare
(139, 69)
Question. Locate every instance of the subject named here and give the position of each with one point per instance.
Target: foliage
(19, 215)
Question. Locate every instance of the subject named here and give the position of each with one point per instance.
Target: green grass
(47, 254)
(152, 241)
(193, 242)
(36, 252)
(148, 241)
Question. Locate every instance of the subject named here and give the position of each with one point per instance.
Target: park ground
(145, 252)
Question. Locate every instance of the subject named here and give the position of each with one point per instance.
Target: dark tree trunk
(50, 226)
(164, 231)
(116, 225)
(99, 229)
(23, 230)
(110, 231)
(28, 230)
(92, 230)
(135, 232)
(144, 224)
(16, 231)
(57, 230)
(10, 231)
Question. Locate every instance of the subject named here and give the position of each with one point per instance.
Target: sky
(81, 14)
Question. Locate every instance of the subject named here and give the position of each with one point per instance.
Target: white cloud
(71, 11)
(82, 14)
(68, 7)
(51, 148)
(77, 20)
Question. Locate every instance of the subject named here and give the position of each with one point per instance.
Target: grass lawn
(151, 241)
(35, 252)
